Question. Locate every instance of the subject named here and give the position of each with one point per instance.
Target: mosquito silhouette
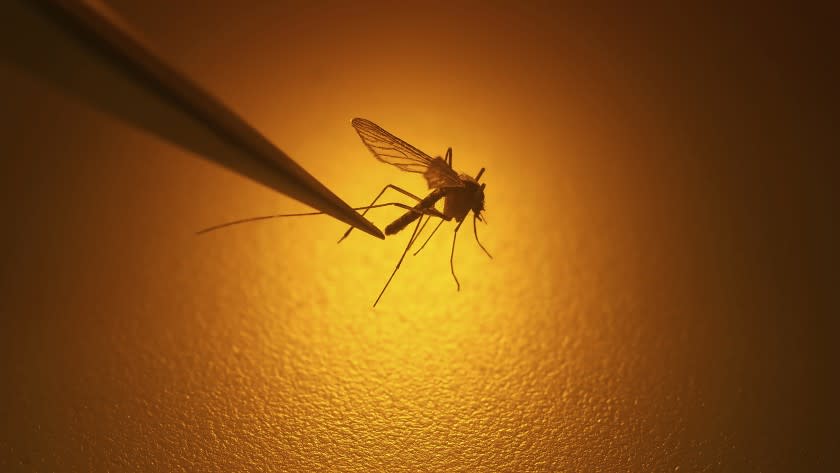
(461, 194)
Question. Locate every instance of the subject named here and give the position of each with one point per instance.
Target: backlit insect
(461, 193)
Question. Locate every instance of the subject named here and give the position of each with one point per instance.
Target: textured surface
(655, 301)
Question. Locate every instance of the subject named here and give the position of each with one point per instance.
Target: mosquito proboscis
(461, 194)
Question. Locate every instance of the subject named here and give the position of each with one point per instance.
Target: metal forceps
(88, 50)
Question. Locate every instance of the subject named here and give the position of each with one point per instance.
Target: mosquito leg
(475, 232)
(452, 255)
(430, 237)
(410, 241)
(395, 204)
(430, 212)
(430, 215)
(391, 186)
(304, 214)
(423, 226)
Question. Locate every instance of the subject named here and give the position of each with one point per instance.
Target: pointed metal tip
(253, 156)
(363, 224)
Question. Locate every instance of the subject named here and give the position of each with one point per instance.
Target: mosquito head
(478, 205)
(478, 202)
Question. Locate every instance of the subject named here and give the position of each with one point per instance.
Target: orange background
(655, 189)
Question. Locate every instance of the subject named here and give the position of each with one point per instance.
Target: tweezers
(114, 42)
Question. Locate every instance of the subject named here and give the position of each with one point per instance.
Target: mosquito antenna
(429, 237)
(475, 232)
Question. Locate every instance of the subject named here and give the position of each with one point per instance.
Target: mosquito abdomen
(397, 225)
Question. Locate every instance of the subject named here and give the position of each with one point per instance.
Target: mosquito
(461, 194)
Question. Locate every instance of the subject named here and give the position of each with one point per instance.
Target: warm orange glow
(624, 324)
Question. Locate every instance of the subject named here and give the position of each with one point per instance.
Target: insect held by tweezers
(461, 193)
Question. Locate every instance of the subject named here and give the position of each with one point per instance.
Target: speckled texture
(654, 301)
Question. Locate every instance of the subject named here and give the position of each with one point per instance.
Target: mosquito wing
(392, 150)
